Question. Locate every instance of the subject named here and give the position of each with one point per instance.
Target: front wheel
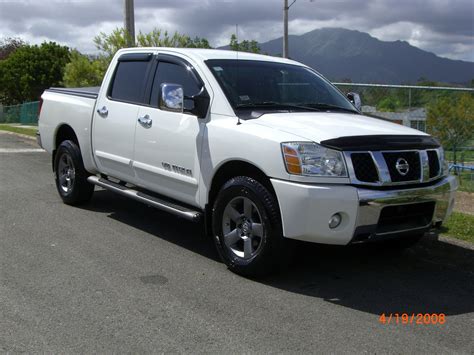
(247, 228)
(70, 175)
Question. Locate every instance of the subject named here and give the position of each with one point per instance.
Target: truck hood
(321, 126)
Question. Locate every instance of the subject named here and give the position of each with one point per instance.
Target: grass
(459, 226)
(18, 129)
(466, 181)
(462, 156)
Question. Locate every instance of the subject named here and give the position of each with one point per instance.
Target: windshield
(270, 86)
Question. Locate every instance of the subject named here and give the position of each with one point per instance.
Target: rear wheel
(247, 228)
(70, 175)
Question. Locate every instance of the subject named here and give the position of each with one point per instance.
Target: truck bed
(73, 108)
(89, 92)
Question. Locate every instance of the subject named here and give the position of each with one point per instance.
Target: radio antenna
(237, 39)
(237, 64)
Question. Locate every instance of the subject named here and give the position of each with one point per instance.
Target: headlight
(312, 159)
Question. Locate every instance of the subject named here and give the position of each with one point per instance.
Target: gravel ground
(464, 202)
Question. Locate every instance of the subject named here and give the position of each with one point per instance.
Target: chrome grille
(385, 168)
(364, 167)
(412, 159)
(433, 161)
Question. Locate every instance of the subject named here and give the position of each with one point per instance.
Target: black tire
(70, 175)
(267, 253)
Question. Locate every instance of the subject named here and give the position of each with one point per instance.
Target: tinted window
(247, 82)
(129, 81)
(174, 74)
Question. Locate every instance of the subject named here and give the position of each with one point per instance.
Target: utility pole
(285, 27)
(129, 20)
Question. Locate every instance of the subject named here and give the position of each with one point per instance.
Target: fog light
(335, 221)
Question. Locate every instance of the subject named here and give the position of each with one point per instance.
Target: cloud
(440, 26)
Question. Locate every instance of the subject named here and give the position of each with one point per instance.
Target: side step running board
(153, 201)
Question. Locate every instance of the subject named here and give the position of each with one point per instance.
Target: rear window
(129, 81)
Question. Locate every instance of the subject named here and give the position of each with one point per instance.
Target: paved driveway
(116, 275)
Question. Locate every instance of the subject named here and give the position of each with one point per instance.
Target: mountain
(341, 54)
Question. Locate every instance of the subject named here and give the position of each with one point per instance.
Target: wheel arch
(63, 132)
(234, 168)
(227, 171)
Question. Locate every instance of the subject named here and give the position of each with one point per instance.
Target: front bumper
(367, 214)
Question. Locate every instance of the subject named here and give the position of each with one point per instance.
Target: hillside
(346, 54)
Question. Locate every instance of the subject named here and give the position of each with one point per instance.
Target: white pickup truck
(261, 149)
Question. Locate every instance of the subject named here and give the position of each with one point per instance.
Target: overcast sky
(444, 27)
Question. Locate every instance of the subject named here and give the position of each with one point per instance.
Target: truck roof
(202, 54)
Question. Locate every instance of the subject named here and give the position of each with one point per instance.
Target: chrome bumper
(372, 202)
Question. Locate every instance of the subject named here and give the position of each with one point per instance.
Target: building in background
(414, 118)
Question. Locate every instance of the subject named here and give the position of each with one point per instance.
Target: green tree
(83, 71)
(389, 104)
(160, 38)
(9, 45)
(198, 42)
(109, 44)
(31, 69)
(452, 121)
(244, 46)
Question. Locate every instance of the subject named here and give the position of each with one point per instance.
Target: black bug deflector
(381, 142)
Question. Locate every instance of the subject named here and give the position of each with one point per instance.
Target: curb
(456, 242)
(19, 135)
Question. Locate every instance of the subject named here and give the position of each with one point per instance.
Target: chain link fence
(412, 106)
(402, 104)
(25, 114)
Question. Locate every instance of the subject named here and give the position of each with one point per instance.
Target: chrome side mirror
(354, 98)
(171, 98)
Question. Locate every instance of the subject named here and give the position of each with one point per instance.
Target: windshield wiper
(276, 105)
(323, 106)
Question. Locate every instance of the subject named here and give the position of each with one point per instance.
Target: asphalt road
(118, 276)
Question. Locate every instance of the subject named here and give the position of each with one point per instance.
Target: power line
(416, 87)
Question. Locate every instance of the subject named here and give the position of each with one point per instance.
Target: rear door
(167, 151)
(116, 114)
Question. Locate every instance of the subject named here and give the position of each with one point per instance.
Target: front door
(168, 144)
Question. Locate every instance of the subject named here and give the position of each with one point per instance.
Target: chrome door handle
(103, 112)
(145, 121)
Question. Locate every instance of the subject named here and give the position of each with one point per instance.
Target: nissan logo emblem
(402, 166)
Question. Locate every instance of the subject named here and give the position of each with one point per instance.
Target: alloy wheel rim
(66, 173)
(242, 228)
